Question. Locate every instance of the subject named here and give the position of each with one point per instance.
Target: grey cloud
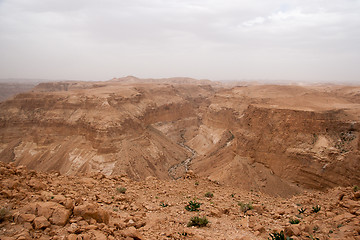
(90, 39)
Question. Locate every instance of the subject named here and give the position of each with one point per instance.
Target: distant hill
(9, 87)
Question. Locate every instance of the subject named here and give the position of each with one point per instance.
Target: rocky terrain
(53, 206)
(265, 152)
(274, 139)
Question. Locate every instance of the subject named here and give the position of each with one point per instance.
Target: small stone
(91, 227)
(41, 222)
(25, 218)
(36, 184)
(292, 230)
(73, 228)
(72, 237)
(98, 235)
(132, 232)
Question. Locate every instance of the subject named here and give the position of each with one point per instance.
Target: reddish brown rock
(36, 184)
(60, 216)
(132, 233)
(46, 208)
(88, 211)
(97, 235)
(24, 217)
(72, 237)
(292, 230)
(41, 222)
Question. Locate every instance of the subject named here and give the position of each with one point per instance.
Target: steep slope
(282, 138)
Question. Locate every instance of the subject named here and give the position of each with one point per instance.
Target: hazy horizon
(270, 41)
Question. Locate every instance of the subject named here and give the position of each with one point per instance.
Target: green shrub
(356, 188)
(183, 234)
(245, 206)
(162, 204)
(313, 238)
(121, 190)
(193, 206)
(316, 209)
(302, 210)
(294, 221)
(198, 222)
(279, 236)
(209, 194)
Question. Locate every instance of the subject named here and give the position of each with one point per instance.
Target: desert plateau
(180, 158)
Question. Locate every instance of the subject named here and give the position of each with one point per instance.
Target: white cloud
(295, 19)
(255, 21)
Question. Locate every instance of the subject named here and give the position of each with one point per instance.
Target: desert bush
(316, 209)
(356, 188)
(193, 206)
(231, 136)
(313, 238)
(302, 210)
(294, 221)
(198, 221)
(279, 236)
(121, 190)
(209, 194)
(163, 204)
(245, 206)
(183, 233)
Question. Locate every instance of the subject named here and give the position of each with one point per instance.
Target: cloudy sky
(298, 40)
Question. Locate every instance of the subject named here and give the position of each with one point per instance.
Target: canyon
(268, 142)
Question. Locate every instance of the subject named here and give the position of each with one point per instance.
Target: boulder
(88, 211)
(60, 216)
(25, 217)
(41, 222)
(46, 208)
(292, 230)
(132, 233)
(36, 184)
(56, 213)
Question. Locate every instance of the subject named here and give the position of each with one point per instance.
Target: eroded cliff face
(107, 128)
(275, 139)
(279, 147)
